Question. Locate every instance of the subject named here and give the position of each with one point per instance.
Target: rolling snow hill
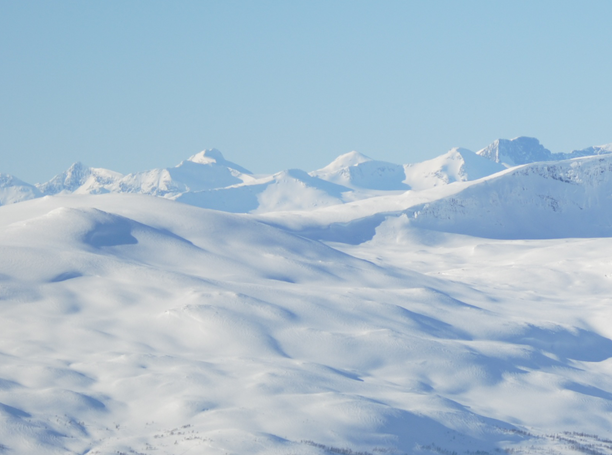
(136, 324)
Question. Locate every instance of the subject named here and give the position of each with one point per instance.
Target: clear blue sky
(134, 85)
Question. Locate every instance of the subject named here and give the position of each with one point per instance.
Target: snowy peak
(343, 161)
(207, 156)
(79, 178)
(517, 151)
(525, 150)
(68, 180)
(456, 165)
(358, 171)
(214, 156)
(13, 190)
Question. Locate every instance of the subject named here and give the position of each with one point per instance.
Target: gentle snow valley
(462, 305)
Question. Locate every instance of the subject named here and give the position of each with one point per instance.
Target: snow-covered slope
(457, 165)
(134, 324)
(13, 190)
(358, 171)
(571, 198)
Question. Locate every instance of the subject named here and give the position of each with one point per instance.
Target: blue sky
(134, 85)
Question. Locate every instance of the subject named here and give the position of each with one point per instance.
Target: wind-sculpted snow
(135, 324)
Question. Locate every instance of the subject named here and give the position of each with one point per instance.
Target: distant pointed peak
(346, 160)
(352, 158)
(207, 156)
(214, 156)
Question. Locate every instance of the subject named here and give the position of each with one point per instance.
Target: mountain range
(208, 180)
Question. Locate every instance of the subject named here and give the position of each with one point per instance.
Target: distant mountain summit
(525, 150)
(517, 151)
(79, 178)
(13, 190)
(215, 157)
(456, 165)
(358, 171)
(203, 171)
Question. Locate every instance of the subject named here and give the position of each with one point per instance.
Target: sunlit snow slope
(135, 324)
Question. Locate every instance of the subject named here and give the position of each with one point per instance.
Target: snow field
(131, 323)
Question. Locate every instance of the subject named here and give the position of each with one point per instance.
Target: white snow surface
(136, 324)
(446, 307)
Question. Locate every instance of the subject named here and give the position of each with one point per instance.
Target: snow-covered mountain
(357, 171)
(208, 180)
(571, 198)
(457, 165)
(205, 170)
(524, 150)
(13, 190)
(589, 151)
(81, 179)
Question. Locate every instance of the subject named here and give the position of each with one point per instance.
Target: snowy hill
(571, 198)
(135, 324)
(357, 171)
(13, 190)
